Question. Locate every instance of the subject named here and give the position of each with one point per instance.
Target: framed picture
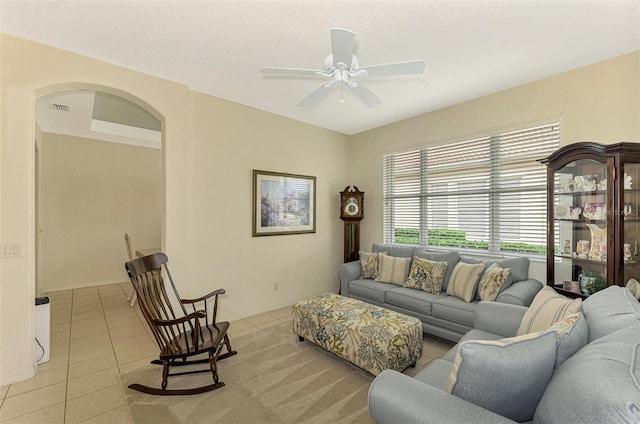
(283, 204)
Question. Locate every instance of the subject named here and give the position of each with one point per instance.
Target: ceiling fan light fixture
(342, 66)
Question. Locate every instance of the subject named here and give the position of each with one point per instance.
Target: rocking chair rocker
(178, 337)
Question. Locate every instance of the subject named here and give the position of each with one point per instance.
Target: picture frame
(283, 204)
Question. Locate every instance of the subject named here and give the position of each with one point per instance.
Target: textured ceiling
(472, 48)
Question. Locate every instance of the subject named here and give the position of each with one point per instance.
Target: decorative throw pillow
(426, 275)
(492, 280)
(393, 270)
(507, 376)
(573, 335)
(547, 308)
(464, 280)
(370, 264)
(451, 258)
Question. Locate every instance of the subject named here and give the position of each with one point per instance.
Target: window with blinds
(486, 194)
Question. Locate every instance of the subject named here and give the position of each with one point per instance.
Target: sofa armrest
(347, 272)
(520, 293)
(498, 318)
(398, 398)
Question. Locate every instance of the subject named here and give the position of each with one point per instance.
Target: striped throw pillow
(547, 308)
(464, 280)
(393, 270)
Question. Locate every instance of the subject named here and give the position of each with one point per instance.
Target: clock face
(351, 207)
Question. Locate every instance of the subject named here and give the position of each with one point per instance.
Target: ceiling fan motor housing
(342, 66)
(329, 65)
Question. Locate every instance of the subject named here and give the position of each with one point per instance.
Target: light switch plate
(11, 250)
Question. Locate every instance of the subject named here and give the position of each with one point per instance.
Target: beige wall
(91, 193)
(210, 147)
(228, 141)
(600, 102)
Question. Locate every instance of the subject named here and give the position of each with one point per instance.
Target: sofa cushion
(519, 266)
(391, 250)
(491, 282)
(393, 269)
(426, 275)
(453, 309)
(464, 280)
(547, 308)
(436, 374)
(370, 290)
(609, 310)
(370, 264)
(412, 300)
(451, 258)
(599, 384)
(507, 376)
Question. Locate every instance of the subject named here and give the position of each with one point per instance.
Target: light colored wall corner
(598, 102)
(228, 142)
(92, 193)
(26, 71)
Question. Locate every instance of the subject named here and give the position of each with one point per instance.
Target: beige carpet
(273, 379)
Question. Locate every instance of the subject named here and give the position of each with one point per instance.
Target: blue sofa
(599, 383)
(443, 316)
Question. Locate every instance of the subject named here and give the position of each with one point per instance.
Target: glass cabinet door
(580, 222)
(593, 210)
(629, 216)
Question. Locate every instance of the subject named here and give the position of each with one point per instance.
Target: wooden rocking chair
(178, 336)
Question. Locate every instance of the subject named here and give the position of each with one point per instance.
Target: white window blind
(486, 194)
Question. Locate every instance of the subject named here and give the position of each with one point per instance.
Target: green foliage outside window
(458, 239)
(407, 236)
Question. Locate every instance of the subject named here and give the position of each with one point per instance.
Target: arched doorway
(99, 174)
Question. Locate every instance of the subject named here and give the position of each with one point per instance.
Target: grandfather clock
(351, 212)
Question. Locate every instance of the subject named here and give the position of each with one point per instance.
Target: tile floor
(95, 335)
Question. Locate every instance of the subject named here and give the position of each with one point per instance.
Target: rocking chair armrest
(205, 297)
(168, 322)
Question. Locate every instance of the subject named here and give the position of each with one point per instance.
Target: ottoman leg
(300, 338)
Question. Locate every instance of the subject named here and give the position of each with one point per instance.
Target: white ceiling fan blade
(316, 95)
(342, 46)
(415, 67)
(293, 71)
(364, 94)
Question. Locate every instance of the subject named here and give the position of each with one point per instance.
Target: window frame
(503, 175)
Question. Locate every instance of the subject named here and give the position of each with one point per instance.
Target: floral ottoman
(368, 336)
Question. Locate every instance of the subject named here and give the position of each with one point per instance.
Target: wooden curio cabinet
(593, 221)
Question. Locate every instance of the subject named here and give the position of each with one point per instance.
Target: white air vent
(59, 107)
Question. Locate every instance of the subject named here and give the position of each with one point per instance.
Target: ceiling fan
(342, 69)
